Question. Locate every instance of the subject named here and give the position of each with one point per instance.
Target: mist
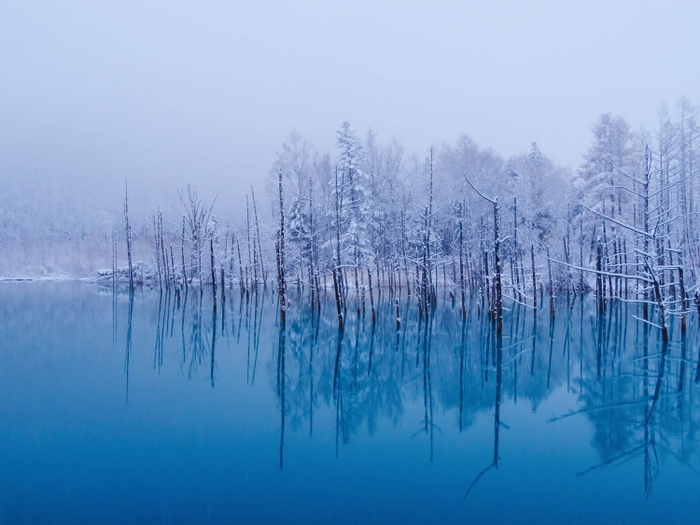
(170, 92)
(166, 94)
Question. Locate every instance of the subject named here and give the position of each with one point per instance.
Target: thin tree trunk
(534, 276)
(551, 285)
(281, 282)
(128, 236)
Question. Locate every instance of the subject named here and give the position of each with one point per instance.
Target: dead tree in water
(516, 250)
(157, 241)
(681, 284)
(213, 271)
(313, 288)
(257, 232)
(254, 263)
(697, 306)
(114, 258)
(281, 284)
(163, 252)
(659, 302)
(497, 312)
(534, 277)
(182, 251)
(223, 284)
(128, 236)
(337, 277)
(174, 277)
(371, 295)
(240, 267)
(461, 264)
(432, 292)
(551, 284)
(426, 275)
(599, 277)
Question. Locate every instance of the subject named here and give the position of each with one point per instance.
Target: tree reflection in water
(633, 388)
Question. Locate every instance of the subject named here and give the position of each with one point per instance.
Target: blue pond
(158, 408)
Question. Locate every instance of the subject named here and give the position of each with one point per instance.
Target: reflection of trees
(636, 396)
(633, 391)
(129, 339)
(441, 362)
(198, 337)
(355, 370)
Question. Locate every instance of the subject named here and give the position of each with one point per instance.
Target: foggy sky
(169, 92)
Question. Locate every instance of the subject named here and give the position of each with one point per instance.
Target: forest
(370, 216)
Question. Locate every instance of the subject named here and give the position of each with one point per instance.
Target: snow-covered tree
(353, 187)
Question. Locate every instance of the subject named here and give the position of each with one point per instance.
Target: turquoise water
(159, 409)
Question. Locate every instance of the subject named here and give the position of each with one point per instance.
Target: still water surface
(154, 409)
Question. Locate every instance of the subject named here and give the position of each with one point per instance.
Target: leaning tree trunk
(213, 271)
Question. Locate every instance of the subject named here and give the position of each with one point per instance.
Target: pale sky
(169, 92)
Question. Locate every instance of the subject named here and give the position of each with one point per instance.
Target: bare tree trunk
(497, 271)
(580, 251)
(128, 236)
(222, 282)
(213, 271)
(254, 263)
(357, 282)
(487, 284)
(230, 260)
(114, 258)
(281, 281)
(516, 248)
(164, 255)
(461, 264)
(371, 295)
(182, 250)
(599, 280)
(240, 268)
(659, 302)
(337, 270)
(313, 291)
(551, 285)
(157, 246)
(257, 231)
(534, 276)
(681, 285)
(172, 263)
(429, 212)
